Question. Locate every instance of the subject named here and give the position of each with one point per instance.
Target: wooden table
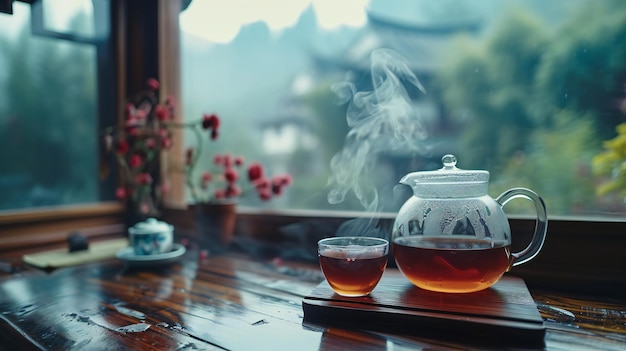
(231, 302)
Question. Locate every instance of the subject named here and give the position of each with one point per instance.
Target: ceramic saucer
(128, 255)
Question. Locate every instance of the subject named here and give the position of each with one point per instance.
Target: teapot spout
(409, 179)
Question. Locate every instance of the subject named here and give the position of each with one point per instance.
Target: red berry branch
(147, 131)
(136, 145)
(222, 180)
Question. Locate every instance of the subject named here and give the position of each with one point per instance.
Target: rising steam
(382, 119)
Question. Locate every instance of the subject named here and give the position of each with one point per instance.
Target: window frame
(581, 254)
(35, 226)
(141, 31)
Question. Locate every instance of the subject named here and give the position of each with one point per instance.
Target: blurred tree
(549, 167)
(48, 122)
(330, 125)
(611, 164)
(535, 104)
(330, 119)
(584, 68)
(487, 86)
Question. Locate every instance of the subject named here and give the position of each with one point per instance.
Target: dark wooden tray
(504, 314)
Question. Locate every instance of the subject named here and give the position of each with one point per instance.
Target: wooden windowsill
(50, 226)
(581, 256)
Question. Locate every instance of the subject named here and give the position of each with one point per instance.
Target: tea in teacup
(353, 266)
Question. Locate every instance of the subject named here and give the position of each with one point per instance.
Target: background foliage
(536, 102)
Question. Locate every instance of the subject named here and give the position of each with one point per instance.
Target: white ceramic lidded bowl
(151, 237)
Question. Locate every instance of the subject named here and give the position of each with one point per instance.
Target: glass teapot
(451, 236)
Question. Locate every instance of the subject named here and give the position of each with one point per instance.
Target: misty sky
(220, 20)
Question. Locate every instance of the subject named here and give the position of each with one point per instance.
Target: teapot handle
(541, 226)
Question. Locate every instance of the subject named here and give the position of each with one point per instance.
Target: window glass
(349, 96)
(48, 112)
(75, 16)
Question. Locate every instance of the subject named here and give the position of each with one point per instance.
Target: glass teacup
(353, 265)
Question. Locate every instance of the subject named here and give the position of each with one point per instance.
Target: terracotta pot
(215, 224)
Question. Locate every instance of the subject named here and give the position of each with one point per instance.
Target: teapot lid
(149, 226)
(446, 175)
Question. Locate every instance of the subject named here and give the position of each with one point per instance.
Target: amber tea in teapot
(450, 236)
(475, 266)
